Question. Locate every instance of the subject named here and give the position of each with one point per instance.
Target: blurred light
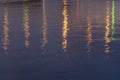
(26, 24)
(107, 28)
(89, 32)
(44, 26)
(6, 30)
(113, 20)
(65, 25)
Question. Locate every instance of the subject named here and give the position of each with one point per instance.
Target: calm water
(60, 40)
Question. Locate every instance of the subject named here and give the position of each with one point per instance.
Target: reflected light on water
(65, 25)
(6, 30)
(89, 32)
(65, 2)
(26, 24)
(113, 20)
(107, 28)
(44, 26)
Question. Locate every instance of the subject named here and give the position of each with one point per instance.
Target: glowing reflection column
(107, 28)
(113, 21)
(65, 27)
(89, 32)
(6, 30)
(44, 26)
(26, 24)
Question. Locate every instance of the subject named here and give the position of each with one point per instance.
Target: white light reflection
(44, 26)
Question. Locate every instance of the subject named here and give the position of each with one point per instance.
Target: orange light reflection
(107, 28)
(6, 30)
(26, 24)
(65, 27)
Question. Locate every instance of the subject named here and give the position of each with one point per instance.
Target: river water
(60, 40)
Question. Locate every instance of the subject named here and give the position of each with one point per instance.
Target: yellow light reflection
(89, 32)
(26, 24)
(107, 28)
(65, 25)
(44, 26)
(6, 30)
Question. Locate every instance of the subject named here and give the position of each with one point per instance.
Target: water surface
(60, 40)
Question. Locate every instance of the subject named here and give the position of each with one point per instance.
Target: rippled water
(60, 40)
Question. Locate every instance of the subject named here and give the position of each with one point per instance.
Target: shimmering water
(60, 40)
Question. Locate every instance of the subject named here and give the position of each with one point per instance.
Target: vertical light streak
(44, 26)
(65, 27)
(107, 28)
(6, 30)
(113, 21)
(26, 24)
(89, 32)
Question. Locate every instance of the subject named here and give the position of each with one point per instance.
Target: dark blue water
(60, 40)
